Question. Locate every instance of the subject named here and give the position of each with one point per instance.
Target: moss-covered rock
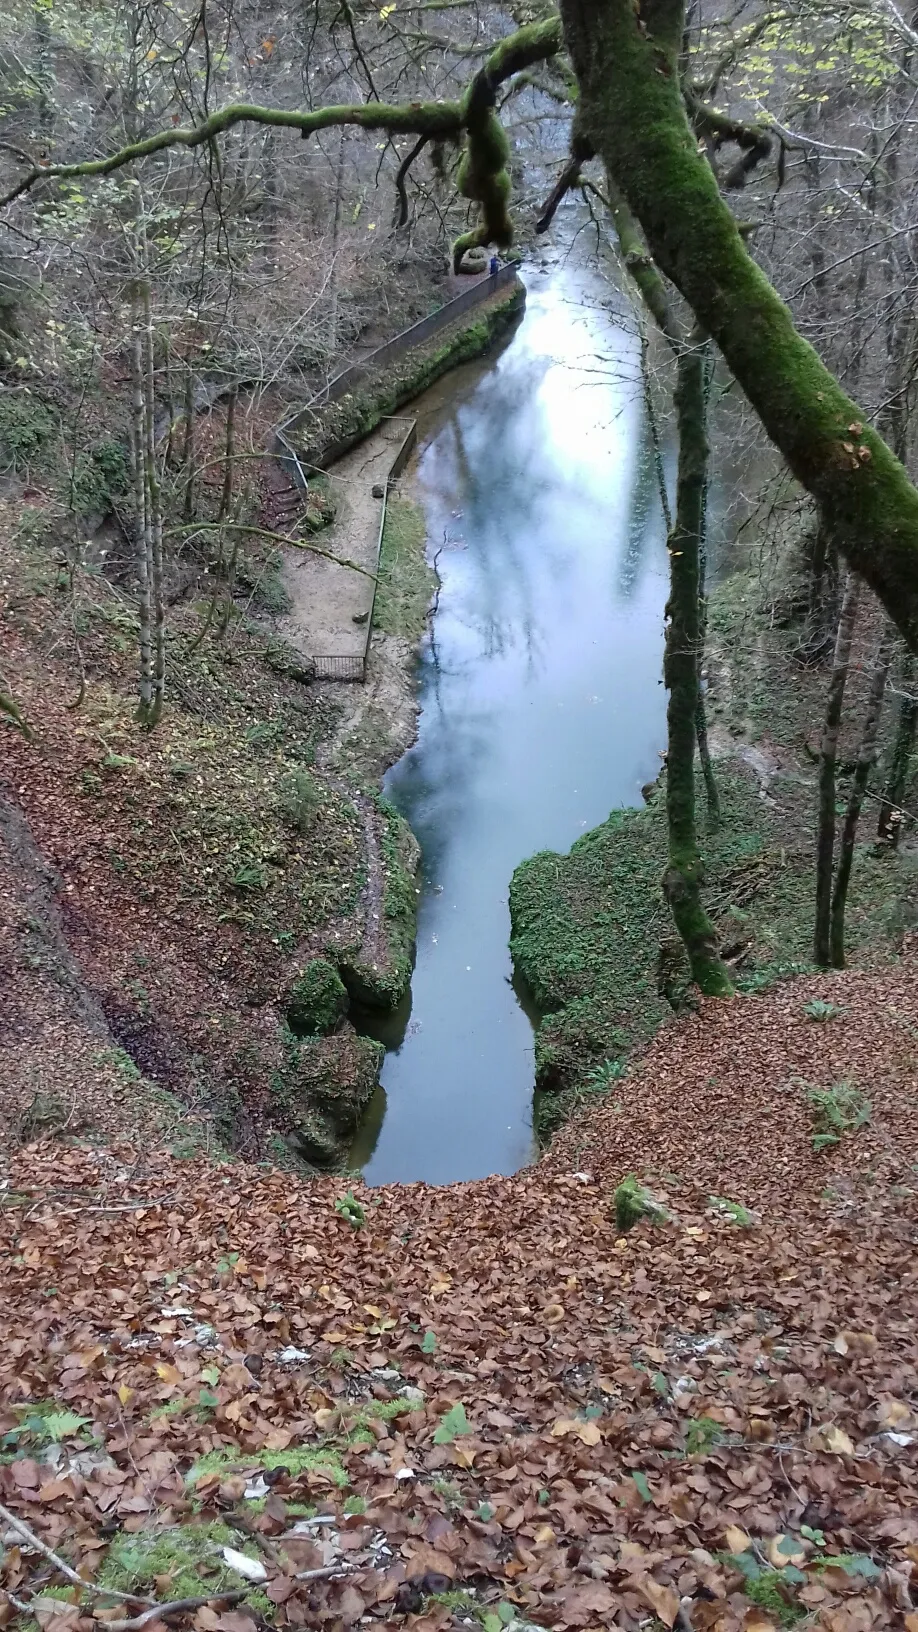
(594, 941)
(322, 1090)
(338, 1076)
(318, 1000)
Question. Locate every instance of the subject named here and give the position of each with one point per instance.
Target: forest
(458, 800)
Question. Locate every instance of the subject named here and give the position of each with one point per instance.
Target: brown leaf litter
(514, 1410)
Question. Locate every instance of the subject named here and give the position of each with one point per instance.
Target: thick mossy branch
(484, 176)
(631, 109)
(483, 173)
(434, 119)
(581, 153)
(717, 129)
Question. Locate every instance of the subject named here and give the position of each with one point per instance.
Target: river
(541, 697)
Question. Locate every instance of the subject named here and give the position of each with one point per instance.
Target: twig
(323, 1574)
(174, 1607)
(240, 1523)
(312, 1524)
(65, 1569)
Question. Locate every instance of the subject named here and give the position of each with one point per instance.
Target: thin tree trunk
(828, 754)
(336, 234)
(155, 511)
(701, 713)
(141, 518)
(188, 452)
(44, 69)
(229, 456)
(889, 826)
(822, 598)
(685, 872)
(866, 758)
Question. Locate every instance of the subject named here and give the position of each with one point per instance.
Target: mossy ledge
(592, 937)
(378, 975)
(328, 431)
(320, 1092)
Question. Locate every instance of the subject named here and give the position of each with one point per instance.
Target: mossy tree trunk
(154, 512)
(685, 872)
(685, 635)
(866, 759)
(701, 713)
(626, 59)
(828, 755)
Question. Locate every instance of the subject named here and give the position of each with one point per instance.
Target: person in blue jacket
(494, 266)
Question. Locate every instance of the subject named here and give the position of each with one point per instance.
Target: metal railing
(353, 667)
(402, 343)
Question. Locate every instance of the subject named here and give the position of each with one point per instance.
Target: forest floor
(489, 1404)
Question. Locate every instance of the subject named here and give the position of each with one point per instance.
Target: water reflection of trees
(643, 534)
(434, 783)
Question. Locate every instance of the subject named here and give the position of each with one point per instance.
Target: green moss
(96, 479)
(591, 934)
(771, 1592)
(326, 433)
(320, 1091)
(318, 1000)
(189, 1554)
(296, 1459)
(405, 581)
(262, 587)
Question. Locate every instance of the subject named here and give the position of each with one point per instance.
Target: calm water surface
(542, 707)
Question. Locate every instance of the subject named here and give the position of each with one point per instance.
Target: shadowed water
(542, 705)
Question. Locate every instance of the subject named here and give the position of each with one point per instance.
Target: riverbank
(167, 893)
(591, 935)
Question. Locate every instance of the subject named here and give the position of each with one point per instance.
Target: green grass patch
(296, 1459)
(188, 1554)
(405, 581)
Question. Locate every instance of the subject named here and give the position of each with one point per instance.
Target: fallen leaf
(663, 1600)
(738, 1541)
(836, 1440)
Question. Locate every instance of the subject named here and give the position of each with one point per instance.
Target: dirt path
(331, 604)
